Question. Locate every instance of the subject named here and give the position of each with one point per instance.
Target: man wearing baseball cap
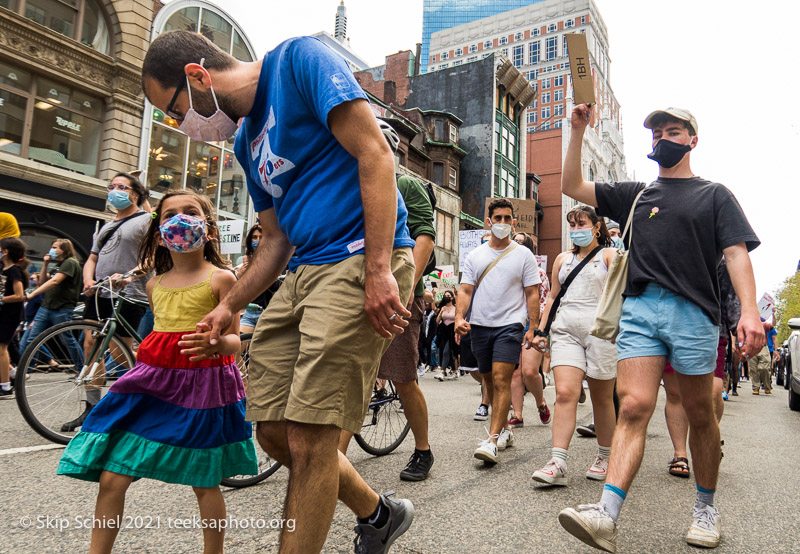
(682, 225)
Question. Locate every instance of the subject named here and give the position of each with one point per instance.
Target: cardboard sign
(580, 68)
(444, 279)
(541, 261)
(524, 212)
(766, 306)
(231, 235)
(467, 242)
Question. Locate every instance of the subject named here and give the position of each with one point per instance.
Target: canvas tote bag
(609, 309)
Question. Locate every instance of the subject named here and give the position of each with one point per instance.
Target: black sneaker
(370, 540)
(78, 421)
(7, 393)
(586, 430)
(418, 467)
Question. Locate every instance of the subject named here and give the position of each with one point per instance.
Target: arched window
(82, 20)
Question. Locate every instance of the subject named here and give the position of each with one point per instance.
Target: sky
(736, 75)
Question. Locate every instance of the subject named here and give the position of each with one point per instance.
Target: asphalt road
(462, 507)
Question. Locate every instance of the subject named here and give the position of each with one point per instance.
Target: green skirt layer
(88, 454)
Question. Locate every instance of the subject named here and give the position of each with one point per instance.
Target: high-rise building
(340, 30)
(445, 14)
(534, 39)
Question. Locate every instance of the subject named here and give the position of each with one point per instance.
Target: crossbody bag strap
(571, 277)
(511, 247)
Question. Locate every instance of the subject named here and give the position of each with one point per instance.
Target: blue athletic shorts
(660, 322)
(496, 344)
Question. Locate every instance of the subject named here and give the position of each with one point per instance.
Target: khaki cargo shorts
(314, 355)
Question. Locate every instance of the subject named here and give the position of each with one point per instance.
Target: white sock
(604, 451)
(12, 373)
(560, 454)
(5, 386)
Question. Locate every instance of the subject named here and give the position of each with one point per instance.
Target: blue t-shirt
(293, 162)
(771, 339)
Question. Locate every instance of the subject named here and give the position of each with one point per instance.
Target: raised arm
(572, 182)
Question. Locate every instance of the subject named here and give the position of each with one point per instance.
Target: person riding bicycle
(114, 253)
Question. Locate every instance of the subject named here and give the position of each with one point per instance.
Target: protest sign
(541, 261)
(444, 278)
(524, 212)
(467, 242)
(580, 68)
(766, 306)
(231, 233)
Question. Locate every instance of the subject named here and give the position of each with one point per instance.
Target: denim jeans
(46, 318)
(145, 324)
(434, 354)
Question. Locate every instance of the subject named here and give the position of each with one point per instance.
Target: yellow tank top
(179, 310)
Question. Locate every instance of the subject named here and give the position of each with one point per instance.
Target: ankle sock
(612, 499)
(705, 496)
(604, 451)
(560, 454)
(423, 453)
(379, 517)
(5, 386)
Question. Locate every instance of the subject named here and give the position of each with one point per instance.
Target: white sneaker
(705, 529)
(505, 439)
(439, 376)
(592, 524)
(599, 469)
(553, 473)
(487, 451)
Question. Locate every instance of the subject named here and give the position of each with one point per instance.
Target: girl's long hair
(154, 256)
(16, 251)
(587, 212)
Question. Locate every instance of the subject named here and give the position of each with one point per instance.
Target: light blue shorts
(660, 322)
(250, 318)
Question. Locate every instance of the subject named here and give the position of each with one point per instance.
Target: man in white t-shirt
(506, 296)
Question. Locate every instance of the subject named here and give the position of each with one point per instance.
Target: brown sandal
(679, 467)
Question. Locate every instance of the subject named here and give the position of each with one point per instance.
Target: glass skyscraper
(444, 14)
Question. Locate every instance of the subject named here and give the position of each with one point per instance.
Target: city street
(462, 507)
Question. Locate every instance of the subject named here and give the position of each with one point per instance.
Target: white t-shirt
(500, 299)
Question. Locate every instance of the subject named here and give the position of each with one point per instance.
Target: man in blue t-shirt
(321, 177)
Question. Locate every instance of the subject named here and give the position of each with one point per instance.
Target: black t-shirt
(12, 311)
(680, 227)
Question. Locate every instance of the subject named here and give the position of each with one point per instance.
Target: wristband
(539, 333)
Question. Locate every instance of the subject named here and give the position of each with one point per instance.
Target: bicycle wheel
(385, 425)
(48, 390)
(266, 465)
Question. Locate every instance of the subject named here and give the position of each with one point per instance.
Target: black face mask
(667, 154)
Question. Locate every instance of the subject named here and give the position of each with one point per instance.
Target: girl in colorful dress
(178, 415)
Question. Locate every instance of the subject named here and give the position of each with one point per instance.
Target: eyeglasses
(169, 111)
(118, 186)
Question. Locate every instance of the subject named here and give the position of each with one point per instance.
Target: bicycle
(385, 426)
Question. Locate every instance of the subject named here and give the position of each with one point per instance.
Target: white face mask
(501, 230)
(216, 127)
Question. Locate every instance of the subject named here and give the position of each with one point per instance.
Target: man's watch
(539, 333)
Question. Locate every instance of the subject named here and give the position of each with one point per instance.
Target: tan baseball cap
(680, 113)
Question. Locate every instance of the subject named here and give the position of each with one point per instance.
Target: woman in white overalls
(575, 353)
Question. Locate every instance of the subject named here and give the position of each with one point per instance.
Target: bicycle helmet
(391, 135)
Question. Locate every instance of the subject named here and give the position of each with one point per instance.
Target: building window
(445, 55)
(558, 81)
(65, 124)
(79, 20)
(444, 230)
(457, 62)
(531, 116)
(444, 66)
(472, 58)
(487, 44)
(545, 84)
(459, 51)
(433, 59)
(505, 52)
(551, 47)
(557, 124)
(533, 52)
(473, 48)
(535, 32)
(486, 55)
(453, 134)
(569, 23)
(545, 98)
(519, 56)
(552, 28)
(564, 50)
(518, 36)
(503, 40)
(558, 110)
(545, 125)
(583, 19)
(558, 95)
(453, 181)
(531, 76)
(438, 173)
(545, 113)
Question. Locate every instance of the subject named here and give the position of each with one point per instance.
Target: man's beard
(204, 104)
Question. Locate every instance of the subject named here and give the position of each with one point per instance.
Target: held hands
(750, 335)
(217, 320)
(582, 115)
(539, 343)
(385, 311)
(198, 345)
(529, 340)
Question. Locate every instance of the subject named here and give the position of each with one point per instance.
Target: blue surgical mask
(255, 244)
(581, 237)
(616, 242)
(53, 254)
(119, 199)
